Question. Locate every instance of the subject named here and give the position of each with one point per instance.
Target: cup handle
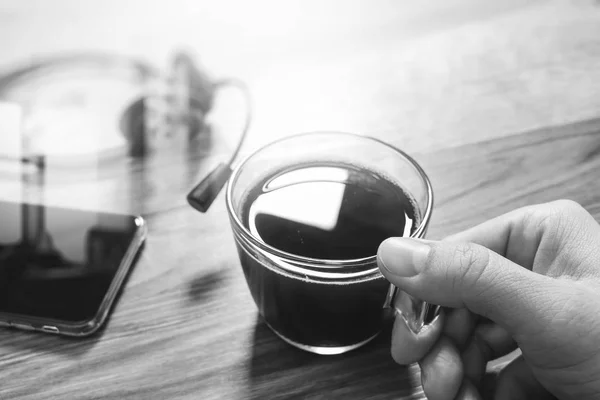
(416, 313)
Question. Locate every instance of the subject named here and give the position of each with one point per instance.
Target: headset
(181, 97)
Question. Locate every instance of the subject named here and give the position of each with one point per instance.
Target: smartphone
(62, 269)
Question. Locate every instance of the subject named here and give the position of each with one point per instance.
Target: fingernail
(403, 257)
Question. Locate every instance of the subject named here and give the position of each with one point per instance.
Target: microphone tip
(204, 193)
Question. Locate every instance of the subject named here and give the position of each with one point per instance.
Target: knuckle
(547, 218)
(558, 217)
(530, 216)
(567, 205)
(569, 208)
(549, 215)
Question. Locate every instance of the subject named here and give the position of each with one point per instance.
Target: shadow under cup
(325, 306)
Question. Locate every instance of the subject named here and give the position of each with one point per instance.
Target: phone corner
(86, 329)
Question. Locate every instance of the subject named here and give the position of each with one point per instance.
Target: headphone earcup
(133, 126)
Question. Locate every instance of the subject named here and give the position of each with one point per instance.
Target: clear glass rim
(321, 262)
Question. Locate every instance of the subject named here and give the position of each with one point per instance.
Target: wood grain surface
(499, 102)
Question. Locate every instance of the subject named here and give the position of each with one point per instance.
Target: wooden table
(499, 102)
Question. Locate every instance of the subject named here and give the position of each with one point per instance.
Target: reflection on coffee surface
(329, 212)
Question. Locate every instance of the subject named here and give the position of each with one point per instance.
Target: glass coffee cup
(308, 213)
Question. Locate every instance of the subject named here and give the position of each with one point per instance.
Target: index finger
(510, 235)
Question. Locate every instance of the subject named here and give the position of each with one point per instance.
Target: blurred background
(423, 75)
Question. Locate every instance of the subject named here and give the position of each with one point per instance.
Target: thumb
(469, 276)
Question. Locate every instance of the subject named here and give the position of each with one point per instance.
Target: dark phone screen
(59, 263)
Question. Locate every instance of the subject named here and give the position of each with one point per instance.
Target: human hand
(529, 278)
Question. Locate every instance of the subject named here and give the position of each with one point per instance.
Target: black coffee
(327, 212)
